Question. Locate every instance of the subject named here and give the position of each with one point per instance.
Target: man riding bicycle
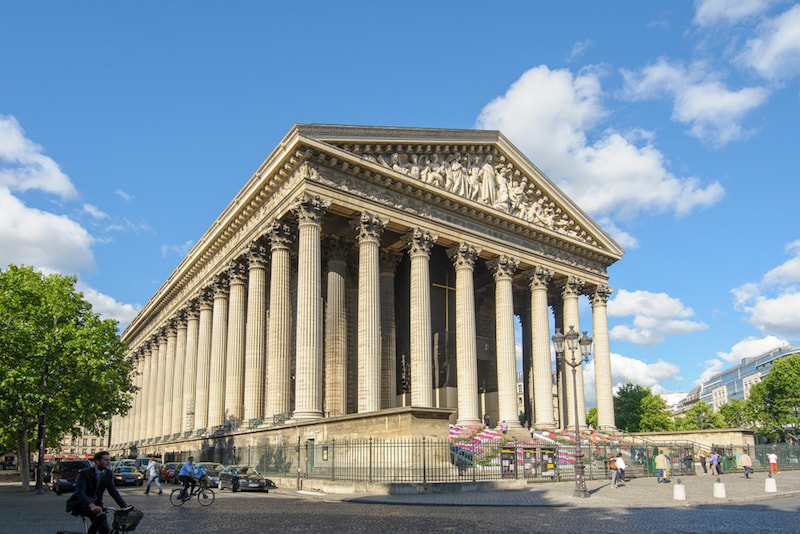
(186, 476)
(88, 497)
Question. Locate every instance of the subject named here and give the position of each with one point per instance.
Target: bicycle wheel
(206, 497)
(175, 497)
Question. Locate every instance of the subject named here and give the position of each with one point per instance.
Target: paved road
(641, 506)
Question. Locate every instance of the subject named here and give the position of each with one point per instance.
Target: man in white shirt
(153, 471)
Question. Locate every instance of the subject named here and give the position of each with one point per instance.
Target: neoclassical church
(369, 281)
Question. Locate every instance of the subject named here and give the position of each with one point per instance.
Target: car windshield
(245, 470)
(72, 466)
(124, 470)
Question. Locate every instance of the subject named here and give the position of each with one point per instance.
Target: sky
(127, 127)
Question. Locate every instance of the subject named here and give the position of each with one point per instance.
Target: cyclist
(88, 497)
(186, 476)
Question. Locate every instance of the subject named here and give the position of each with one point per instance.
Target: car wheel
(235, 486)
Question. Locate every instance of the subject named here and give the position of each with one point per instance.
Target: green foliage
(522, 418)
(700, 416)
(737, 413)
(655, 415)
(775, 401)
(591, 417)
(628, 406)
(57, 357)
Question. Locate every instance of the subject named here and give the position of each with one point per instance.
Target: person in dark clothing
(88, 497)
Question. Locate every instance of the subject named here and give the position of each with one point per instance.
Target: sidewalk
(636, 493)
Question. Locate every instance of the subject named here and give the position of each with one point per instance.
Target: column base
(306, 416)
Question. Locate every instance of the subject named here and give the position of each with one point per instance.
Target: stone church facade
(364, 275)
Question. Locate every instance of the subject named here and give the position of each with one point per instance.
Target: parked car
(127, 475)
(244, 478)
(65, 474)
(213, 469)
(169, 472)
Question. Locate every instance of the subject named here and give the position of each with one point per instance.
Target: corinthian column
(160, 381)
(388, 332)
(169, 379)
(255, 373)
(540, 343)
(420, 242)
(176, 423)
(204, 335)
(139, 413)
(308, 384)
(279, 356)
(234, 365)
(190, 368)
(503, 268)
(369, 229)
(602, 359)
(151, 368)
(570, 294)
(336, 329)
(463, 257)
(219, 346)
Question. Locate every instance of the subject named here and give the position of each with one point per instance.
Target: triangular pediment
(478, 166)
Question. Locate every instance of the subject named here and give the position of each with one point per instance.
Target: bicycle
(125, 520)
(205, 495)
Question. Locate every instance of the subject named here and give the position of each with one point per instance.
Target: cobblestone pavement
(642, 505)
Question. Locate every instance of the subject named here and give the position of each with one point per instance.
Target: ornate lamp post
(572, 343)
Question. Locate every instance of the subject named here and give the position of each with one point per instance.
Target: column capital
(539, 277)
(220, 285)
(368, 227)
(181, 318)
(237, 272)
(257, 254)
(463, 255)
(335, 248)
(192, 309)
(389, 260)
(310, 209)
(280, 234)
(419, 242)
(601, 294)
(572, 286)
(503, 266)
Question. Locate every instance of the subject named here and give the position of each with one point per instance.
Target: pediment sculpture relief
(484, 177)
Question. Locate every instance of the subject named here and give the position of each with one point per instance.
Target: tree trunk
(24, 459)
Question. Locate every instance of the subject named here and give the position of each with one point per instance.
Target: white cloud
(655, 316)
(624, 370)
(94, 211)
(579, 48)
(550, 113)
(775, 52)
(181, 249)
(123, 195)
(747, 348)
(45, 240)
(711, 12)
(23, 167)
(773, 304)
(108, 307)
(712, 111)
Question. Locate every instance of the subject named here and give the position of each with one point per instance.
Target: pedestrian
(612, 465)
(746, 462)
(87, 500)
(621, 466)
(773, 463)
(504, 428)
(714, 459)
(662, 468)
(486, 420)
(702, 457)
(153, 471)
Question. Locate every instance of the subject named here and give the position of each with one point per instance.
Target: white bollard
(719, 489)
(679, 491)
(770, 485)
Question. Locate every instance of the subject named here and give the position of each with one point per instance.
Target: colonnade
(257, 348)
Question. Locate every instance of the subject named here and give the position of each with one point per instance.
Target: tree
(61, 366)
(699, 417)
(655, 415)
(591, 417)
(776, 400)
(737, 413)
(628, 406)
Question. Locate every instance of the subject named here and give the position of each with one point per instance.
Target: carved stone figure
(488, 181)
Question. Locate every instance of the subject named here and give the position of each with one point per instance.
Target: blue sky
(127, 127)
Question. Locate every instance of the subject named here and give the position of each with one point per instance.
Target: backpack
(613, 464)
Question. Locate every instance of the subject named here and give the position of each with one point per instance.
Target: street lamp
(585, 344)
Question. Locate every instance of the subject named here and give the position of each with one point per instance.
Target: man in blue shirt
(186, 475)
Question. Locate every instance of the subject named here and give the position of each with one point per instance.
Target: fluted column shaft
(176, 425)
(388, 330)
(420, 242)
(219, 347)
(308, 384)
(336, 330)
(540, 342)
(234, 364)
(139, 413)
(570, 295)
(463, 257)
(190, 367)
(169, 380)
(204, 339)
(602, 359)
(255, 374)
(369, 229)
(279, 358)
(149, 411)
(503, 269)
(161, 375)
